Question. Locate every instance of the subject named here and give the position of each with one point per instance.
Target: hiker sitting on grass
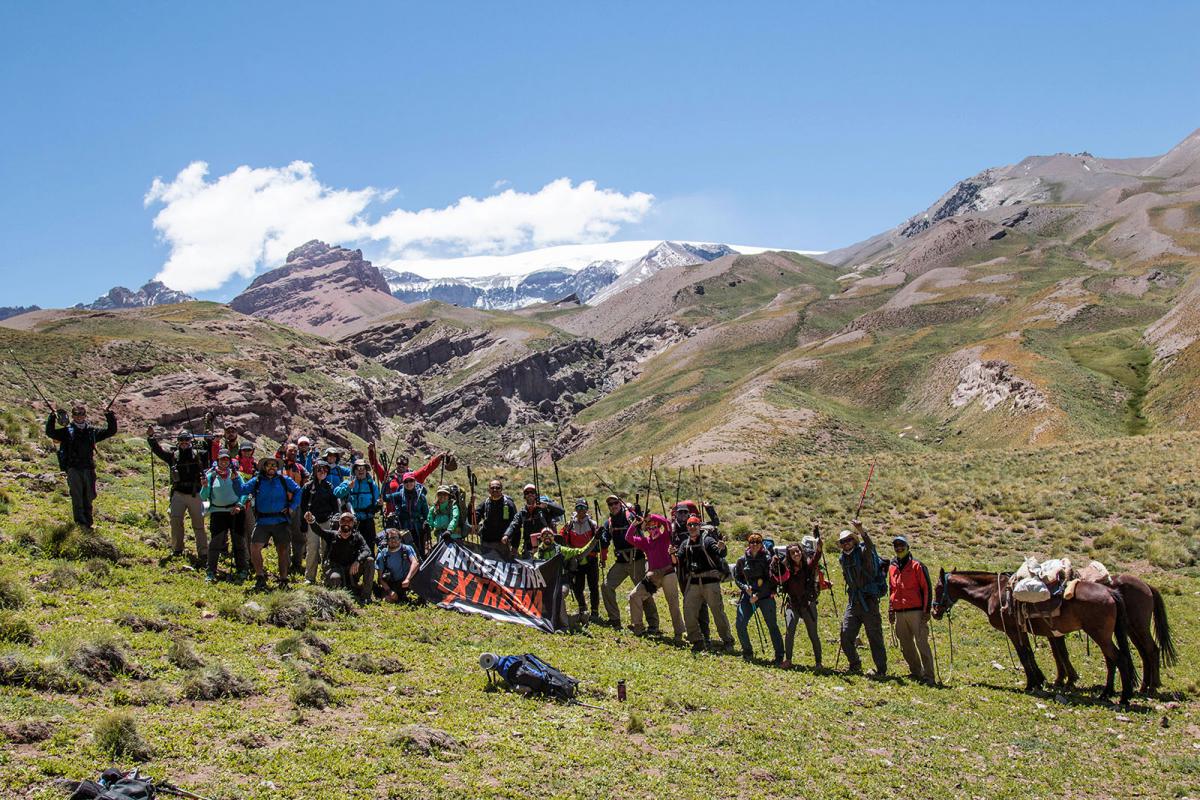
(77, 455)
(394, 567)
(348, 563)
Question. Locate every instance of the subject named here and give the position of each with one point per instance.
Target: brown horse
(1148, 628)
(1095, 609)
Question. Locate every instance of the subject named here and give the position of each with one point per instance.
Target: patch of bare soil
(924, 287)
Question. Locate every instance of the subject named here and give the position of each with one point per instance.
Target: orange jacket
(908, 586)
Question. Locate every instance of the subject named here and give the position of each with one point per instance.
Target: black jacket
(318, 498)
(701, 556)
(186, 465)
(343, 551)
(525, 524)
(494, 518)
(612, 534)
(78, 444)
(754, 573)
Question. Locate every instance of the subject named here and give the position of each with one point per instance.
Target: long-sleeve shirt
(361, 493)
(859, 570)
(343, 550)
(494, 517)
(525, 524)
(186, 466)
(658, 549)
(698, 557)
(78, 442)
(800, 583)
(908, 585)
(443, 517)
(580, 532)
(410, 509)
(753, 573)
(547, 551)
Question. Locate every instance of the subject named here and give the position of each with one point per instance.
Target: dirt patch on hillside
(923, 288)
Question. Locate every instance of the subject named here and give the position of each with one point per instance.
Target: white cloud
(252, 217)
(248, 218)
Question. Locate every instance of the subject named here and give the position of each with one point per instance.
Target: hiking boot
(698, 647)
(785, 664)
(854, 669)
(615, 624)
(653, 632)
(727, 647)
(678, 640)
(260, 583)
(241, 576)
(210, 577)
(283, 582)
(636, 631)
(595, 619)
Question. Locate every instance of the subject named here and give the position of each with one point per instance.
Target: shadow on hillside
(1078, 696)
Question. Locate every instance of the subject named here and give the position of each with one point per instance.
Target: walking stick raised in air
(137, 366)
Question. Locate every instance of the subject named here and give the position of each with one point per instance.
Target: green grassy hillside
(693, 725)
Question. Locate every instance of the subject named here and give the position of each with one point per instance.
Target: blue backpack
(528, 674)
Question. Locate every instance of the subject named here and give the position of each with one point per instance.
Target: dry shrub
(373, 665)
(43, 675)
(15, 628)
(215, 682)
(101, 659)
(182, 653)
(425, 740)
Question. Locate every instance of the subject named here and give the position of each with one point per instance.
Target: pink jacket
(656, 549)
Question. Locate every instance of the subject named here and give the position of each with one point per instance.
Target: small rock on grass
(426, 740)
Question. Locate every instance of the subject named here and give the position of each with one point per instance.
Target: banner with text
(459, 576)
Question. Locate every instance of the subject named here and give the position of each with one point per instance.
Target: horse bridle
(947, 601)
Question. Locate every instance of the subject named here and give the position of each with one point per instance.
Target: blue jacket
(271, 503)
(412, 508)
(363, 495)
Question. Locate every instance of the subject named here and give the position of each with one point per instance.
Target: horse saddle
(1043, 610)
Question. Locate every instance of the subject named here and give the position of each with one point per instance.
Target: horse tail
(1162, 630)
(1121, 631)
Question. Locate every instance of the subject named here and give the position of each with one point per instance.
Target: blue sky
(772, 124)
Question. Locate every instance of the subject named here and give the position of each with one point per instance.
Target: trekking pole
(29, 378)
(649, 483)
(171, 789)
(533, 447)
(557, 481)
(661, 500)
(678, 483)
(936, 668)
(125, 383)
(863, 497)
(762, 641)
(153, 486)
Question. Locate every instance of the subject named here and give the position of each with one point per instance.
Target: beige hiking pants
(912, 631)
(193, 507)
(696, 596)
(669, 584)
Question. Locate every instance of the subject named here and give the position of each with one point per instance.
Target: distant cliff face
(320, 289)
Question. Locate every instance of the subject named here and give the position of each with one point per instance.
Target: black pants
(417, 538)
(221, 525)
(367, 528)
(589, 572)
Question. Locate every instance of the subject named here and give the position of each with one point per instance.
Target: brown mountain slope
(320, 289)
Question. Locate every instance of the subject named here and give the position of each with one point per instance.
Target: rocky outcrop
(154, 293)
(404, 351)
(542, 386)
(994, 383)
(320, 289)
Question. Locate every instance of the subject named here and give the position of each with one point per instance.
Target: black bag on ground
(528, 674)
(115, 785)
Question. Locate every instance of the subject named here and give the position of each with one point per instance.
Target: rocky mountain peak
(153, 293)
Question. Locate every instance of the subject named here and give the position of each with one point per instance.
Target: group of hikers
(320, 515)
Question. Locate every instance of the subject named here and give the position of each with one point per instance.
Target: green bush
(312, 692)
(182, 653)
(117, 736)
(101, 658)
(13, 592)
(44, 674)
(15, 628)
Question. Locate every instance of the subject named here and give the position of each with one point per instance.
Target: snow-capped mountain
(590, 272)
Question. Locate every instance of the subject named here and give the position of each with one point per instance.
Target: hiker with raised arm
(802, 588)
(494, 514)
(224, 517)
(392, 481)
(865, 575)
(394, 567)
(579, 531)
(306, 454)
(318, 500)
(187, 478)
(758, 585)
(629, 563)
(364, 498)
(348, 562)
(910, 602)
(77, 440)
(652, 535)
(701, 568)
(528, 522)
(276, 497)
(410, 511)
(685, 510)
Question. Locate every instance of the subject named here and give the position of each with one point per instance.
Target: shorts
(278, 531)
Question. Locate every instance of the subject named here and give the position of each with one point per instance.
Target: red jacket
(908, 586)
(392, 485)
(572, 538)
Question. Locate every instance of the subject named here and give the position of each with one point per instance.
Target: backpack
(62, 456)
(528, 674)
(283, 485)
(115, 786)
(879, 586)
(464, 516)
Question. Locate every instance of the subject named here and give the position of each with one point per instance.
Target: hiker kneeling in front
(394, 567)
(348, 563)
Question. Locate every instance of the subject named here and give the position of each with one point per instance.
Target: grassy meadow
(108, 657)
